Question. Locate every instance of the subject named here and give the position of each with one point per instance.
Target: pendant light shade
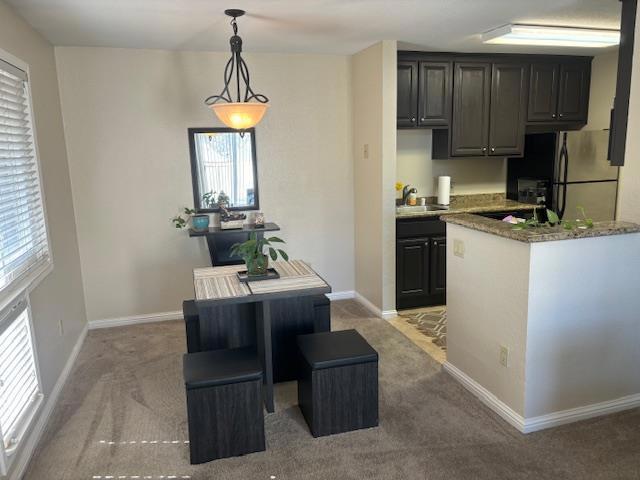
(248, 108)
(240, 115)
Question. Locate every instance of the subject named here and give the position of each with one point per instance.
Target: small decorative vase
(200, 222)
(257, 266)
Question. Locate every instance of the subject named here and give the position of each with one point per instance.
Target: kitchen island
(544, 324)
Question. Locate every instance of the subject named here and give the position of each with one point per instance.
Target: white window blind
(23, 237)
(19, 386)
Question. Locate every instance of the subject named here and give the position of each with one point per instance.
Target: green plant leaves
(284, 255)
(273, 254)
(553, 217)
(275, 240)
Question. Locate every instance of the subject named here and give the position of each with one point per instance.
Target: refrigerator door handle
(564, 163)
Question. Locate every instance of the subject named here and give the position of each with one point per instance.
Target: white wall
(59, 296)
(487, 303)
(469, 175)
(629, 185)
(604, 73)
(583, 340)
(126, 114)
(374, 97)
(566, 310)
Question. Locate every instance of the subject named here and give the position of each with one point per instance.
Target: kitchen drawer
(419, 227)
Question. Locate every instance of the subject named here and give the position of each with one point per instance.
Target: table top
(220, 285)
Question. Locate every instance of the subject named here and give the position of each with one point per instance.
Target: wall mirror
(222, 160)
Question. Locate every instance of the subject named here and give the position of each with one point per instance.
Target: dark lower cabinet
(421, 258)
(413, 267)
(438, 266)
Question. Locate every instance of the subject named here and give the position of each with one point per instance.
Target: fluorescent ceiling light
(552, 36)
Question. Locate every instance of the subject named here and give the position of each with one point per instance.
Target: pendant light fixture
(249, 107)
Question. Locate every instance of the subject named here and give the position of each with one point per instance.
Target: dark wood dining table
(220, 286)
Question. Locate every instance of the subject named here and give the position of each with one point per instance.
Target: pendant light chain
(236, 63)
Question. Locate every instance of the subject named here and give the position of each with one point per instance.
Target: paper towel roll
(444, 190)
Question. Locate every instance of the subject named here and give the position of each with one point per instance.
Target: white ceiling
(319, 26)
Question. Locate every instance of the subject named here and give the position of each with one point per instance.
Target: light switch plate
(458, 248)
(504, 356)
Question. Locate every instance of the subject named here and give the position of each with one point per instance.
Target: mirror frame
(197, 196)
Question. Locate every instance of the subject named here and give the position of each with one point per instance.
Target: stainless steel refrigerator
(574, 169)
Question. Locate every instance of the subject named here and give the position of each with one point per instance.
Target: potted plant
(252, 252)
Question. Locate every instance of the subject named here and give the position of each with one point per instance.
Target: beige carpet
(122, 415)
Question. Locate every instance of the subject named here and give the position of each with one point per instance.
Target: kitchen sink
(419, 208)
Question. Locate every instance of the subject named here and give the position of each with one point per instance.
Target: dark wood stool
(338, 384)
(224, 403)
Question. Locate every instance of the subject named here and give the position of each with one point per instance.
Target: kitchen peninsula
(543, 323)
(421, 241)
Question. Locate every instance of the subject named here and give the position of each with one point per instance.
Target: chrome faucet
(406, 191)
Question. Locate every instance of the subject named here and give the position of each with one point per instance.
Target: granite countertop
(479, 203)
(543, 234)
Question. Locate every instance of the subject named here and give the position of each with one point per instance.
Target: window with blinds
(23, 236)
(19, 386)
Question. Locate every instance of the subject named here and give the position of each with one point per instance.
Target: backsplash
(469, 175)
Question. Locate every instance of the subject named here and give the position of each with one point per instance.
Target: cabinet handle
(413, 119)
(561, 115)
(426, 244)
(553, 115)
(493, 149)
(422, 119)
(484, 149)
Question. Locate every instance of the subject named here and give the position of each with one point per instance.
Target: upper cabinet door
(508, 108)
(573, 104)
(543, 93)
(470, 123)
(434, 93)
(407, 94)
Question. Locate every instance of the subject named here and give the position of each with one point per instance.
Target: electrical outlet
(60, 327)
(365, 151)
(504, 356)
(458, 248)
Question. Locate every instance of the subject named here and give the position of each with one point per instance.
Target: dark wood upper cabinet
(434, 93)
(573, 98)
(508, 109)
(407, 94)
(559, 92)
(470, 122)
(543, 92)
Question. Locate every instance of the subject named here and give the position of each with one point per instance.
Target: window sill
(26, 285)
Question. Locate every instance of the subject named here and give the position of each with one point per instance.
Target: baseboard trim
(135, 319)
(26, 452)
(177, 315)
(489, 399)
(581, 413)
(555, 419)
(389, 314)
(384, 314)
(345, 295)
(364, 301)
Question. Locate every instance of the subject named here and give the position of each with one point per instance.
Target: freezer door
(588, 157)
(598, 199)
